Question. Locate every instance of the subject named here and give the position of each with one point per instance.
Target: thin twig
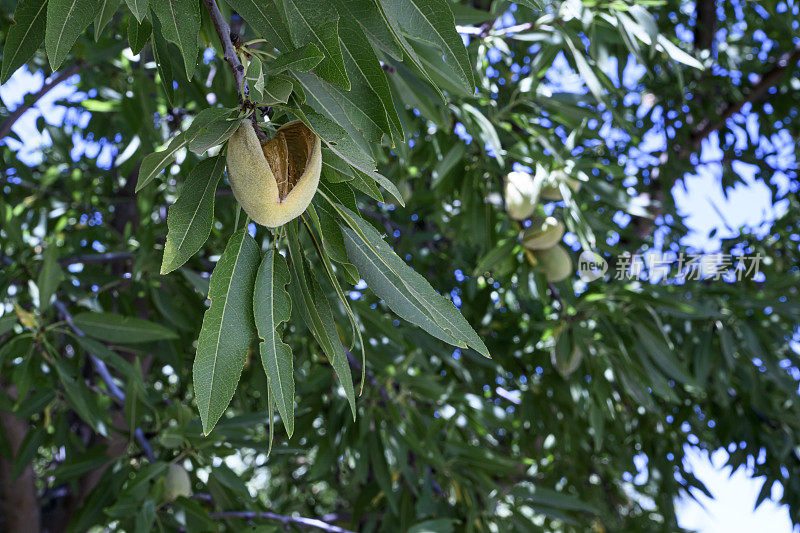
(758, 89)
(285, 520)
(223, 30)
(8, 123)
(102, 370)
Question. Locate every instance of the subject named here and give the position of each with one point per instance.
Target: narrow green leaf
(550, 498)
(663, 356)
(24, 36)
(488, 133)
(138, 34)
(271, 307)
(367, 76)
(180, 23)
(447, 163)
(154, 163)
(190, 218)
(469, 16)
(533, 4)
(303, 59)
(357, 111)
(369, 16)
(384, 182)
(255, 78)
(107, 355)
(50, 277)
(410, 55)
(81, 399)
(276, 90)
(405, 291)
(211, 126)
(107, 10)
(145, 517)
(311, 214)
(216, 131)
(111, 327)
(227, 329)
(677, 54)
(313, 306)
(264, 18)
(432, 22)
(78, 464)
(27, 450)
(411, 91)
(311, 21)
(495, 257)
(437, 69)
(66, 20)
(339, 141)
(270, 418)
(377, 460)
(164, 62)
(7, 323)
(333, 242)
(138, 8)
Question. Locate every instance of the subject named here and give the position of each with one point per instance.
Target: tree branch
(285, 520)
(229, 54)
(757, 90)
(95, 258)
(102, 370)
(8, 123)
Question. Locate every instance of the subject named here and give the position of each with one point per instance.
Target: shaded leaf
(81, 399)
(163, 57)
(138, 34)
(50, 276)
(369, 16)
(111, 327)
(550, 498)
(339, 141)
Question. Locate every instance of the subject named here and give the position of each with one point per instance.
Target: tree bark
(20, 503)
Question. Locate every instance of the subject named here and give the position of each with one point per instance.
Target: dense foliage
(328, 383)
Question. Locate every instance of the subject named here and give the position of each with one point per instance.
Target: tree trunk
(19, 500)
(705, 24)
